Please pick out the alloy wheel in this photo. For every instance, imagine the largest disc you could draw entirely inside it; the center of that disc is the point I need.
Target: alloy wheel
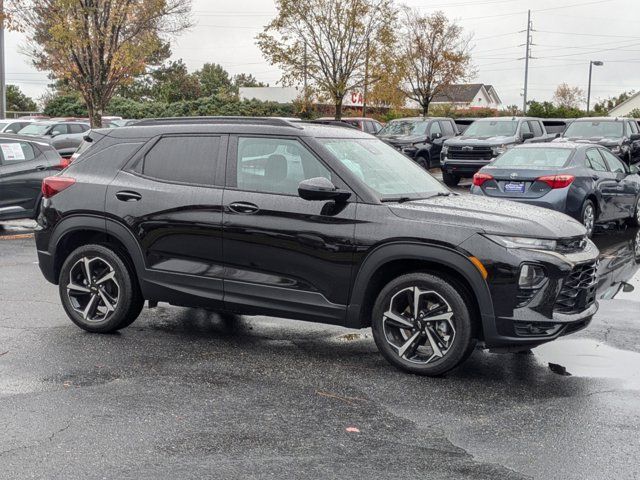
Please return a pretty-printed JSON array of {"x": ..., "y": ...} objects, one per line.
[
  {"x": 418, "y": 325},
  {"x": 92, "y": 290},
  {"x": 589, "y": 218}
]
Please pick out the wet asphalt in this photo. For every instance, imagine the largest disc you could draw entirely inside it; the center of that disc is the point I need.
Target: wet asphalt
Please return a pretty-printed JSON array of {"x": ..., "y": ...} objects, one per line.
[{"x": 184, "y": 393}]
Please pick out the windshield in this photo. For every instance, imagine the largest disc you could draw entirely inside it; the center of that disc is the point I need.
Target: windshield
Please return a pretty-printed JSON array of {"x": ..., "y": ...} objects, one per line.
[
  {"x": 533, "y": 158},
  {"x": 34, "y": 129},
  {"x": 491, "y": 128},
  {"x": 383, "y": 169},
  {"x": 3, "y": 124},
  {"x": 404, "y": 127},
  {"x": 594, "y": 129}
]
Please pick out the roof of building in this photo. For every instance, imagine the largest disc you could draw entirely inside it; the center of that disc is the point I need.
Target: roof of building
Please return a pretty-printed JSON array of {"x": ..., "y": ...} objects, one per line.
[{"x": 463, "y": 93}]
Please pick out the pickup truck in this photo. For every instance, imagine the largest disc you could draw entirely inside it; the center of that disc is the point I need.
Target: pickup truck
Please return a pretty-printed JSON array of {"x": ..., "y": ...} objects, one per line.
[{"x": 484, "y": 140}]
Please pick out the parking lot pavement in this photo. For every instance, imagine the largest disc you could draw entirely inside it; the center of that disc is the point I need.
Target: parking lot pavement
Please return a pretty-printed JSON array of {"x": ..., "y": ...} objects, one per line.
[{"x": 187, "y": 394}]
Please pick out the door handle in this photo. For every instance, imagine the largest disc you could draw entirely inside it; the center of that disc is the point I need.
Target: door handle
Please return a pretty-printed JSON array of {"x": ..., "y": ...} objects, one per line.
[
  {"x": 243, "y": 207},
  {"x": 40, "y": 168},
  {"x": 128, "y": 196}
]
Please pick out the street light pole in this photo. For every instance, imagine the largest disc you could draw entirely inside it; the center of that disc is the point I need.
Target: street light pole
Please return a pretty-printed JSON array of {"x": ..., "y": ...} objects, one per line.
[
  {"x": 3, "y": 87},
  {"x": 597, "y": 63}
]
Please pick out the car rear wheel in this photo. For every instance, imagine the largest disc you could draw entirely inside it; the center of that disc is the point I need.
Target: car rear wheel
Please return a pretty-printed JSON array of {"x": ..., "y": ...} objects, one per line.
[
  {"x": 423, "y": 162},
  {"x": 98, "y": 290},
  {"x": 589, "y": 216},
  {"x": 450, "y": 179},
  {"x": 422, "y": 324}
]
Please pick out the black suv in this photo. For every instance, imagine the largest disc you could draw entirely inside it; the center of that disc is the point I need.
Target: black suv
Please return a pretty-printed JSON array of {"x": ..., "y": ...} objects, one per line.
[
  {"x": 485, "y": 139},
  {"x": 620, "y": 135},
  {"x": 310, "y": 222},
  {"x": 420, "y": 138}
]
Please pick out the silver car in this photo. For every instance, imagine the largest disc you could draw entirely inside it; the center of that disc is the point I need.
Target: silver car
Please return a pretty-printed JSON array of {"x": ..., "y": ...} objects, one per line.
[{"x": 65, "y": 137}]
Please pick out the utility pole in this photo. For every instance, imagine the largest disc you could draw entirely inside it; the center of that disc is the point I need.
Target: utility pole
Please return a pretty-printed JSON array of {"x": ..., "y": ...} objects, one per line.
[
  {"x": 3, "y": 87},
  {"x": 366, "y": 81},
  {"x": 304, "y": 74},
  {"x": 526, "y": 63}
]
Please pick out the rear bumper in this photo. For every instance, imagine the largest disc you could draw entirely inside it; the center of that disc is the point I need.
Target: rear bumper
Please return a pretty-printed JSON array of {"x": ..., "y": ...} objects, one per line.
[
  {"x": 554, "y": 200},
  {"x": 46, "y": 264}
]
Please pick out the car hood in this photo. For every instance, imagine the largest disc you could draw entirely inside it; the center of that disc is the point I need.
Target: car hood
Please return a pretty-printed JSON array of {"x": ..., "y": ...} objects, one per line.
[
  {"x": 490, "y": 215},
  {"x": 481, "y": 141},
  {"x": 605, "y": 142}
]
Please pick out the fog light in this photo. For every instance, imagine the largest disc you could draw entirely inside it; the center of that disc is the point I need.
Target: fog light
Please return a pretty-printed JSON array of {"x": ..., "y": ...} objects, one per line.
[{"x": 531, "y": 276}]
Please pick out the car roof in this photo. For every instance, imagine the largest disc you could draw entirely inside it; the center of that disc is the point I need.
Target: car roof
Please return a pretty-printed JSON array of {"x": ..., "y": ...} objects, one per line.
[
  {"x": 284, "y": 128},
  {"x": 419, "y": 119},
  {"x": 558, "y": 144},
  {"x": 508, "y": 118},
  {"x": 603, "y": 119},
  {"x": 24, "y": 138}
]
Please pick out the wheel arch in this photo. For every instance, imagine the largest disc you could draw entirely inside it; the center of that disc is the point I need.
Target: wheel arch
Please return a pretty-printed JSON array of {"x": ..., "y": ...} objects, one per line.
[{"x": 388, "y": 261}]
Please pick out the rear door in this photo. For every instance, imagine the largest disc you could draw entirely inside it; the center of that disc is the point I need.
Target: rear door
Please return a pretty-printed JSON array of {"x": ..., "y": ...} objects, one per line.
[
  {"x": 634, "y": 147},
  {"x": 170, "y": 199},
  {"x": 284, "y": 255},
  {"x": 23, "y": 165}
]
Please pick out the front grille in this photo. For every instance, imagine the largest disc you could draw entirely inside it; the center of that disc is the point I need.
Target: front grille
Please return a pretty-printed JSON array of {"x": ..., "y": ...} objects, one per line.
[
  {"x": 467, "y": 153},
  {"x": 571, "y": 245},
  {"x": 578, "y": 290}
]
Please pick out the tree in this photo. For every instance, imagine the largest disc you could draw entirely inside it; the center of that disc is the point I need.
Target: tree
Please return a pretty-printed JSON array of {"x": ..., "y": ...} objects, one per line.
[
  {"x": 434, "y": 54},
  {"x": 173, "y": 82},
  {"x": 326, "y": 42},
  {"x": 246, "y": 80},
  {"x": 568, "y": 97},
  {"x": 18, "y": 101},
  {"x": 97, "y": 45},
  {"x": 214, "y": 80}
]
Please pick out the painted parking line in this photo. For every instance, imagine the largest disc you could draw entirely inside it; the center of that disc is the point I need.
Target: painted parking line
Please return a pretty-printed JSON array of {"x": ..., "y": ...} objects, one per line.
[{"x": 16, "y": 237}]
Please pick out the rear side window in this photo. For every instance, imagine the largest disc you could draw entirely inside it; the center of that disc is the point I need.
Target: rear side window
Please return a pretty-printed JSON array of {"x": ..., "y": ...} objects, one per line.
[
  {"x": 190, "y": 159},
  {"x": 447, "y": 129},
  {"x": 76, "y": 128},
  {"x": 595, "y": 161},
  {"x": 12, "y": 152}
]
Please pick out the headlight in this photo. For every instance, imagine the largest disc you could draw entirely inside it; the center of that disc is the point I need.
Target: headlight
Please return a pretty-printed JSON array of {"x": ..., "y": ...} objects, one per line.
[
  {"x": 445, "y": 149},
  {"x": 499, "y": 150},
  {"x": 523, "y": 242}
]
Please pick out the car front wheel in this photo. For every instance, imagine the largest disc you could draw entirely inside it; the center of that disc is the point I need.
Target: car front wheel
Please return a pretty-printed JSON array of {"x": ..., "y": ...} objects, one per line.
[
  {"x": 98, "y": 290},
  {"x": 588, "y": 217},
  {"x": 422, "y": 325},
  {"x": 450, "y": 179}
]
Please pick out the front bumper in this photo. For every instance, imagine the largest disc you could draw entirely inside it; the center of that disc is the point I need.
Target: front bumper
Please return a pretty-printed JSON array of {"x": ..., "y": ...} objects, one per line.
[
  {"x": 564, "y": 304},
  {"x": 462, "y": 168}
]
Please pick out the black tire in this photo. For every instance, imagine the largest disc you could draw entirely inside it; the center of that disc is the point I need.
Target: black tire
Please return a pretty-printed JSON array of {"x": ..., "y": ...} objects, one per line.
[
  {"x": 590, "y": 225},
  {"x": 433, "y": 290},
  {"x": 634, "y": 221},
  {"x": 423, "y": 162},
  {"x": 121, "y": 289},
  {"x": 450, "y": 179}
]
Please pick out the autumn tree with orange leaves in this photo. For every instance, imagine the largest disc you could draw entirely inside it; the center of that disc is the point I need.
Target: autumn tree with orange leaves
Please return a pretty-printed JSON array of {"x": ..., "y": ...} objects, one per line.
[{"x": 96, "y": 45}]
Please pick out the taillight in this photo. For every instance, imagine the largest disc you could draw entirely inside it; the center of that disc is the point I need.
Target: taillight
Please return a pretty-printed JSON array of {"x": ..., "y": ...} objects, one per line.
[
  {"x": 557, "y": 181},
  {"x": 54, "y": 185},
  {"x": 480, "y": 178},
  {"x": 64, "y": 163}
]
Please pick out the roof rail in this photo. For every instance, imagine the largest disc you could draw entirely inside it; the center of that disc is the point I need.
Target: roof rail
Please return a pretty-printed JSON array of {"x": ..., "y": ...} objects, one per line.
[
  {"x": 273, "y": 121},
  {"x": 335, "y": 123}
]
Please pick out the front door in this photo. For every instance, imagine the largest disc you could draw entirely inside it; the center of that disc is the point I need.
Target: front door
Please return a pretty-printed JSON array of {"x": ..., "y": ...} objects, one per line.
[
  {"x": 284, "y": 255},
  {"x": 172, "y": 206},
  {"x": 626, "y": 191}
]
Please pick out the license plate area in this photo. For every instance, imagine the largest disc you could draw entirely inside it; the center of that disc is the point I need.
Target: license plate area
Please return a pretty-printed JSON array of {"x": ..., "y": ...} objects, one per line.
[{"x": 514, "y": 187}]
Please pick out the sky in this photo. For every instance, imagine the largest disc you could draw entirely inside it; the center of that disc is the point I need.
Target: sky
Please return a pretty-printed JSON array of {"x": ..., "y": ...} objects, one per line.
[{"x": 567, "y": 35}]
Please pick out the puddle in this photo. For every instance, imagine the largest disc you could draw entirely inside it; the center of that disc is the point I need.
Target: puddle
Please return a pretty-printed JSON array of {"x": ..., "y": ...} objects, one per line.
[
  {"x": 583, "y": 357},
  {"x": 352, "y": 337}
]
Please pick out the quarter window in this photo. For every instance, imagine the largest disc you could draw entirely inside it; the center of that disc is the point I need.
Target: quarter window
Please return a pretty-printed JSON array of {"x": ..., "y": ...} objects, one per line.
[
  {"x": 275, "y": 165},
  {"x": 183, "y": 159},
  {"x": 12, "y": 152},
  {"x": 595, "y": 161}
]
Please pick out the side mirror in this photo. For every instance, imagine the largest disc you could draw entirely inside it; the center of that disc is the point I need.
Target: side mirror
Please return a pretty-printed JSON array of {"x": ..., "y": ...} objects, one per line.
[
  {"x": 634, "y": 137},
  {"x": 627, "y": 287},
  {"x": 321, "y": 188},
  {"x": 527, "y": 136},
  {"x": 633, "y": 169},
  {"x": 436, "y": 136},
  {"x": 558, "y": 135}
]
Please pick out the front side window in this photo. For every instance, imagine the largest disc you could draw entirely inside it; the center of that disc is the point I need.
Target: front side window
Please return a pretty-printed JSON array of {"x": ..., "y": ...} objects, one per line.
[
  {"x": 595, "y": 161},
  {"x": 189, "y": 159},
  {"x": 633, "y": 127},
  {"x": 435, "y": 128},
  {"x": 447, "y": 129},
  {"x": 383, "y": 169},
  {"x": 595, "y": 129},
  {"x": 61, "y": 129},
  {"x": 13, "y": 152},
  {"x": 275, "y": 165},
  {"x": 492, "y": 128},
  {"x": 615, "y": 164},
  {"x": 534, "y": 158},
  {"x": 524, "y": 128}
]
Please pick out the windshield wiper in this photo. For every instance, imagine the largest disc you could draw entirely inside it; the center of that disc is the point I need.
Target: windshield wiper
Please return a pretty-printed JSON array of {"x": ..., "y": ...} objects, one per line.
[
  {"x": 439, "y": 194},
  {"x": 397, "y": 199}
]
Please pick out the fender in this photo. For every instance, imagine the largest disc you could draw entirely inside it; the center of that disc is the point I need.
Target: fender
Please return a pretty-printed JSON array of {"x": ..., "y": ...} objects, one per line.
[{"x": 444, "y": 256}]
